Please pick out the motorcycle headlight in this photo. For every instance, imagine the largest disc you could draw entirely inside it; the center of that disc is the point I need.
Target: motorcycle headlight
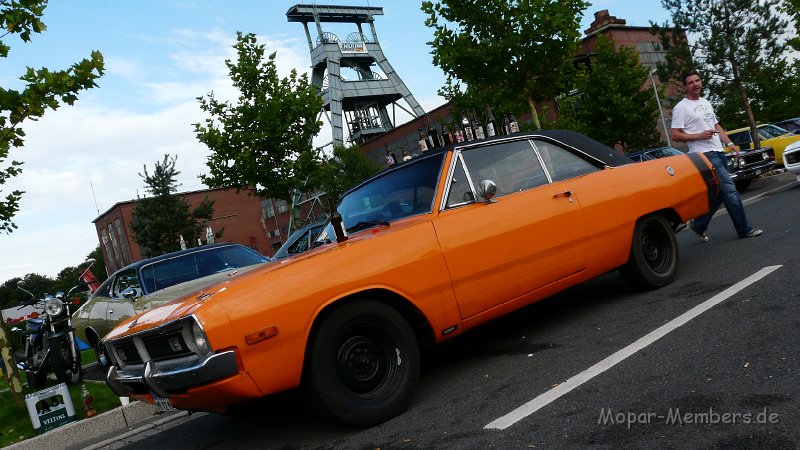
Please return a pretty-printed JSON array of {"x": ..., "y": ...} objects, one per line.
[
  {"x": 53, "y": 307},
  {"x": 200, "y": 339}
]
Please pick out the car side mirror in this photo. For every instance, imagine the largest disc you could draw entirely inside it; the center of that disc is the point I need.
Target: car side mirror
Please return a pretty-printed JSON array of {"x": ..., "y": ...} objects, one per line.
[
  {"x": 487, "y": 189},
  {"x": 131, "y": 293}
]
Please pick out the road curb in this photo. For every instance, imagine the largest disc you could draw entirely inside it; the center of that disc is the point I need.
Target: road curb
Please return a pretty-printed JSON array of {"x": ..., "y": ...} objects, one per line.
[{"x": 108, "y": 427}]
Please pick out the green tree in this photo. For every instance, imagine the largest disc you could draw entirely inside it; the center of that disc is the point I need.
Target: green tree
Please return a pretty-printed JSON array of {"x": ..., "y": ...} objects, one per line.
[
  {"x": 264, "y": 140},
  {"x": 735, "y": 40},
  {"x": 503, "y": 49},
  {"x": 44, "y": 89},
  {"x": 792, "y": 8},
  {"x": 612, "y": 107},
  {"x": 160, "y": 220},
  {"x": 346, "y": 168}
]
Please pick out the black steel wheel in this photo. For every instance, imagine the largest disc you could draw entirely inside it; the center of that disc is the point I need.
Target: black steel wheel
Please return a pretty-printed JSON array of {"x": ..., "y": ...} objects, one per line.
[
  {"x": 742, "y": 185},
  {"x": 66, "y": 368},
  {"x": 653, "y": 260},
  {"x": 363, "y": 363}
]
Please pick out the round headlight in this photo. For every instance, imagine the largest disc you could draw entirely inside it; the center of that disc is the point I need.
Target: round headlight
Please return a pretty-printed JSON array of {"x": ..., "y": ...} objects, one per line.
[
  {"x": 53, "y": 307},
  {"x": 200, "y": 339}
]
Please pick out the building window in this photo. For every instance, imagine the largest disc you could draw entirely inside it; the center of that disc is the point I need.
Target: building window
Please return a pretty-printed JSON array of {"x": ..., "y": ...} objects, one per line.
[
  {"x": 116, "y": 254},
  {"x": 276, "y": 245},
  {"x": 282, "y": 206},
  {"x": 109, "y": 253},
  {"x": 123, "y": 243},
  {"x": 266, "y": 206}
]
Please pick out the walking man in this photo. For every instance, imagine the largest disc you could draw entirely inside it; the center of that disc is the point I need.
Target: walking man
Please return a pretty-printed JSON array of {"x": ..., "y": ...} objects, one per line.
[{"x": 694, "y": 122}]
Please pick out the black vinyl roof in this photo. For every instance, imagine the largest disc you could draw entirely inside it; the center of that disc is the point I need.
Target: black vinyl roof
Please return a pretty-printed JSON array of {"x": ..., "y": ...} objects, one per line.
[{"x": 586, "y": 144}]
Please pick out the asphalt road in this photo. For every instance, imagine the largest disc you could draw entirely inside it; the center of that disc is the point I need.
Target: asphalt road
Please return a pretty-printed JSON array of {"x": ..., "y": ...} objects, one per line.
[{"x": 715, "y": 367}]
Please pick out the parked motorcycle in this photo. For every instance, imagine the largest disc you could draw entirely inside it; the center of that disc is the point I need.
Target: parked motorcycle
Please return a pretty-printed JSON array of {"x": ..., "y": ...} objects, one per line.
[{"x": 50, "y": 344}]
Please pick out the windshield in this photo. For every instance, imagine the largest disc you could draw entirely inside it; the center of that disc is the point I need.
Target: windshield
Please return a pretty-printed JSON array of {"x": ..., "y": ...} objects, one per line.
[
  {"x": 402, "y": 192},
  {"x": 771, "y": 131}
]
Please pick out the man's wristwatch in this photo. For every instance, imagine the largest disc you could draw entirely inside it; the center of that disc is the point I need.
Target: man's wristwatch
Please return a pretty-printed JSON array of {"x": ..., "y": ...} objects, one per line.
[{"x": 731, "y": 144}]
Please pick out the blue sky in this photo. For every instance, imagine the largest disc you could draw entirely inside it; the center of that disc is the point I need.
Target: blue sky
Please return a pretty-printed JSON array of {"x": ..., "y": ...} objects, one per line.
[{"x": 160, "y": 56}]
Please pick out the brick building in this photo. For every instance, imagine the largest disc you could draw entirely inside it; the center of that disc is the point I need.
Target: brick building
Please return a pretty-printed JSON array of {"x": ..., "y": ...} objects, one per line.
[
  {"x": 639, "y": 38},
  {"x": 262, "y": 225}
]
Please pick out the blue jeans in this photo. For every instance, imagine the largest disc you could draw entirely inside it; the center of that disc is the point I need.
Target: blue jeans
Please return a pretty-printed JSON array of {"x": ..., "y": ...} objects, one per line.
[{"x": 728, "y": 195}]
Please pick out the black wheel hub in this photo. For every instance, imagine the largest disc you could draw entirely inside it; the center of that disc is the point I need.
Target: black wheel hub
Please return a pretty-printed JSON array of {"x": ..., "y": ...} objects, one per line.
[
  {"x": 654, "y": 250},
  {"x": 361, "y": 363}
]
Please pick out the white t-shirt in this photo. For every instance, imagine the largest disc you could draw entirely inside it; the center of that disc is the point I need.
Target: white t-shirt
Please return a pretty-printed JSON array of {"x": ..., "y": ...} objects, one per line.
[{"x": 695, "y": 116}]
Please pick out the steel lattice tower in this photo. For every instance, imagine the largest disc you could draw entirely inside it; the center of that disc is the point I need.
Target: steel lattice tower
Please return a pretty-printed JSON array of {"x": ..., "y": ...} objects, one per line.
[{"x": 360, "y": 103}]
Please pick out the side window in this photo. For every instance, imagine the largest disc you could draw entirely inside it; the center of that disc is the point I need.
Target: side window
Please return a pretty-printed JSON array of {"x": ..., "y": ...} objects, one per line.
[
  {"x": 460, "y": 192},
  {"x": 741, "y": 139},
  {"x": 513, "y": 166},
  {"x": 562, "y": 164},
  {"x": 125, "y": 280}
]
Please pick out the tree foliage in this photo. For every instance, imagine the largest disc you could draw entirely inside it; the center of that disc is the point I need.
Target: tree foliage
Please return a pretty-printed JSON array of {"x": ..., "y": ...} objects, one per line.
[
  {"x": 264, "y": 139},
  {"x": 520, "y": 49},
  {"x": 346, "y": 168},
  {"x": 160, "y": 220},
  {"x": 736, "y": 41},
  {"x": 44, "y": 89},
  {"x": 792, "y": 8},
  {"x": 611, "y": 105},
  {"x": 39, "y": 285}
]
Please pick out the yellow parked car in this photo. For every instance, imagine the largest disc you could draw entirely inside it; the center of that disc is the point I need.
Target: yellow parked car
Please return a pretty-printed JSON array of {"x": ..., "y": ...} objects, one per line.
[{"x": 771, "y": 136}]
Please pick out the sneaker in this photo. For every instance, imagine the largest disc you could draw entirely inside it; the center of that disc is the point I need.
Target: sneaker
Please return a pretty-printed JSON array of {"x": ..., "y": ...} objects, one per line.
[
  {"x": 681, "y": 227},
  {"x": 753, "y": 233},
  {"x": 703, "y": 237}
]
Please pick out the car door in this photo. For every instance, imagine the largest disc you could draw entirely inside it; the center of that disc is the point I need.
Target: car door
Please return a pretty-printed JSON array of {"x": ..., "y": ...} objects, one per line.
[
  {"x": 119, "y": 307},
  {"x": 531, "y": 235}
]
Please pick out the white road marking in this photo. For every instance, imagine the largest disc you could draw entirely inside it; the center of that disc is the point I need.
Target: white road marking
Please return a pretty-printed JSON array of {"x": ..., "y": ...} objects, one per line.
[{"x": 541, "y": 401}]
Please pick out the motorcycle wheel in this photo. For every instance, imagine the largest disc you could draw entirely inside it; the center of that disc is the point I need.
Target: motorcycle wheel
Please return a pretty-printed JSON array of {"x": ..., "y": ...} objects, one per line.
[
  {"x": 66, "y": 369},
  {"x": 36, "y": 379}
]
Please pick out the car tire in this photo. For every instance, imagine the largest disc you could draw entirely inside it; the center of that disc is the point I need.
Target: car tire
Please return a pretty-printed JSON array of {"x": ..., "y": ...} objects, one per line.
[
  {"x": 742, "y": 185},
  {"x": 101, "y": 355},
  {"x": 363, "y": 364},
  {"x": 65, "y": 368},
  {"x": 653, "y": 260}
]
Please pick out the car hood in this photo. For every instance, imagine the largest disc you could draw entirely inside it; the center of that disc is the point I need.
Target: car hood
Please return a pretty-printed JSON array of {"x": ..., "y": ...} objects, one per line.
[{"x": 168, "y": 294}]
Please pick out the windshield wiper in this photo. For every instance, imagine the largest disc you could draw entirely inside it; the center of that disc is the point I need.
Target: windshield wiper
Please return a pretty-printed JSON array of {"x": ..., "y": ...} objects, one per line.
[{"x": 367, "y": 224}]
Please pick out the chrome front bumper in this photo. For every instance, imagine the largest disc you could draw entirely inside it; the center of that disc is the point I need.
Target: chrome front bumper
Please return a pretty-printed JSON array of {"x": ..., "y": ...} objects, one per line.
[{"x": 161, "y": 380}]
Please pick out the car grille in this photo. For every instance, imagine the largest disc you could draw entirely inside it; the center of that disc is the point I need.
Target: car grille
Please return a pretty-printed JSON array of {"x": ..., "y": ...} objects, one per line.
[
  {"x": 159, "y": 345},
  {"x": 127, "y": 353},
  {"x": 166, "y": 346},
  {"x": 752, "y": 158},
  {"x": 792, "y": 158}
]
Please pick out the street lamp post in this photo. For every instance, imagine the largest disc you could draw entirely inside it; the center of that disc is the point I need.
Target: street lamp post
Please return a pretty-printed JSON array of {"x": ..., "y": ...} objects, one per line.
[{"x": 660, "y": 110}]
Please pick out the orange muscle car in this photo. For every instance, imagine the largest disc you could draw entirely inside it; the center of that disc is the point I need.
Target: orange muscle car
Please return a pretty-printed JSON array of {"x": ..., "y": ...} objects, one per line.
[{"x": 417, "y": 254}]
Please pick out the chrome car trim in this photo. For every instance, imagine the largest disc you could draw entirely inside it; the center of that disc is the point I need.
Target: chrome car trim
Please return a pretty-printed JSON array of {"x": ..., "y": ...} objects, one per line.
[
  {"x": 161, "y": 381},
  {"x": 113, "y": 382}
]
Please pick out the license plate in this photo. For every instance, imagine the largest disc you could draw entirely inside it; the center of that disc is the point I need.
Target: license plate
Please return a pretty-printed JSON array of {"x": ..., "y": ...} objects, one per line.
[{"x": 163, "y": 404}]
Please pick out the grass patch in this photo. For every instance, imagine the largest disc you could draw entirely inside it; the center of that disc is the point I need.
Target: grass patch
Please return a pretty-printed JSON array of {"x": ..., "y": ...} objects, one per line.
[{"x": 15, "y": 423}]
